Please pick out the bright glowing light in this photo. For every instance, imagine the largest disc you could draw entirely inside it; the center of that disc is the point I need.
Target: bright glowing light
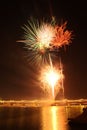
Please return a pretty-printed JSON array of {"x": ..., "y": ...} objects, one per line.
[
  {"x": 41, "y": 38},
  {"x": 45, "y": 35},
  {"x": 54, "y": 118},
  {"x": 52, "y": 78}
]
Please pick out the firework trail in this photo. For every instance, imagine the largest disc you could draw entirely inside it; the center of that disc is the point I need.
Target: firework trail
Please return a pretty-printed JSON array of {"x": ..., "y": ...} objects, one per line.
[{"x": 41, "y": 38}]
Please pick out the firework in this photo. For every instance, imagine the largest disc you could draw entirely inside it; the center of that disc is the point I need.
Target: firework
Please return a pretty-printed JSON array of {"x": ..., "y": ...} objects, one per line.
[
  {"x": 62, "y": 36},
  {"x": 41, "y": 38},
  {"x": 52, "y": 79}
]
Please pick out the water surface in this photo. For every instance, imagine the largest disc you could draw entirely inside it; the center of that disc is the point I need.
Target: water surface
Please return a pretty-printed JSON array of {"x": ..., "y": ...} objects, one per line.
[{"x": 38, "y": 118}]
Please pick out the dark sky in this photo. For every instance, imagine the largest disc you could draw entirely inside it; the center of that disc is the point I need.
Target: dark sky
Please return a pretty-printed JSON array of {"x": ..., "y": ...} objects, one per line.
[{"x": 17, "y": 77}]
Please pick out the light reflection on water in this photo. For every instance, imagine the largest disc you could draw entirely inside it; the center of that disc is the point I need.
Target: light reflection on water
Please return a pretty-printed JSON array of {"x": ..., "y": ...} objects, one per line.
[
  {"x": 54, "y": 118},
  {"x": 37, "y": 118}
]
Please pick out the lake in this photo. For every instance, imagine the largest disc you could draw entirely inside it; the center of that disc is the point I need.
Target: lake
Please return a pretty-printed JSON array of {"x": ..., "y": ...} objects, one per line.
[{"x": 38, "y": 118}]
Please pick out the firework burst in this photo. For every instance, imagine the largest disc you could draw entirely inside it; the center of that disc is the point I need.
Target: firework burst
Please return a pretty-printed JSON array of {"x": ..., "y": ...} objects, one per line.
[
  {"x": 62, "y": 36},
  {"x": 41, "y": 38},
  {"x": 51, "y": 79}
]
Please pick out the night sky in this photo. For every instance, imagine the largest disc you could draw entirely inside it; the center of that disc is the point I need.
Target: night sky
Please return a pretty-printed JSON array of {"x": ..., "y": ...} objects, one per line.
[{"x": 17, "y": 75}]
